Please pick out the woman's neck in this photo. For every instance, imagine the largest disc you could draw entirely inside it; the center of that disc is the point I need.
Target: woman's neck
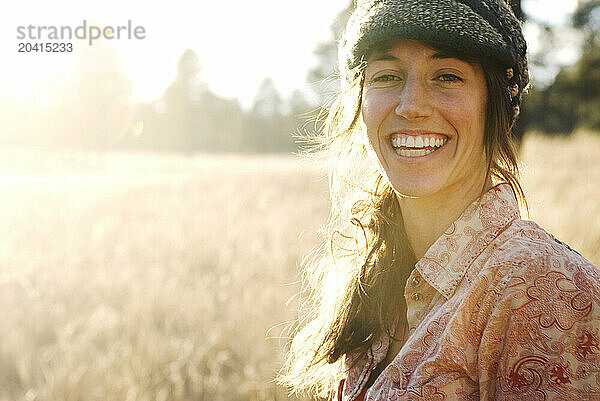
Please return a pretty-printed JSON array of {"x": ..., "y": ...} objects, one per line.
[{"x": 426, "y": 218}]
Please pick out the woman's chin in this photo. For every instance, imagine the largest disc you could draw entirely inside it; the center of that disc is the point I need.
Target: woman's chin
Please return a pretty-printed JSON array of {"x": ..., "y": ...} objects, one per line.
[{"x": 415, "y": 187}]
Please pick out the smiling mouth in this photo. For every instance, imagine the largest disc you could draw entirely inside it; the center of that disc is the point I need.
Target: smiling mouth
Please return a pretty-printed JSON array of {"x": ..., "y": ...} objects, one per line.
[{"x": 416, "y": 145}]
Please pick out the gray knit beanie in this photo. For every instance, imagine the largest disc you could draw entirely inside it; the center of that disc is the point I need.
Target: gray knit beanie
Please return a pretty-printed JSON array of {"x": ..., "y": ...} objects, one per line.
[{"x": 485, "y": 29}]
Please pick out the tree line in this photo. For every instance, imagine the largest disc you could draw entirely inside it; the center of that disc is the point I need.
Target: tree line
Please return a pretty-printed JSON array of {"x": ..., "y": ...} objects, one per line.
[
  {"x": 572, "y": 100},
  {"x": 190, "y": 118}
]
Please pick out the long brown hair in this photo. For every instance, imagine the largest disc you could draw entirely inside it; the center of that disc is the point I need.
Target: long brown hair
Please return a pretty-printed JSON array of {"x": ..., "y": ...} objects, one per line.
[{"x": 351, "y": 283}]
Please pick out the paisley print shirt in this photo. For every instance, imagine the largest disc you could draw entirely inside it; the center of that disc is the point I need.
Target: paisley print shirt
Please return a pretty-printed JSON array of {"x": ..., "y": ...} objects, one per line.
[{"x": 497, "y": 309}]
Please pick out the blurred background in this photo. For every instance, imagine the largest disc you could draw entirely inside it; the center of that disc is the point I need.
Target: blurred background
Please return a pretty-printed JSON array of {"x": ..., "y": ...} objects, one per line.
[{"x": 153, "y": 212}]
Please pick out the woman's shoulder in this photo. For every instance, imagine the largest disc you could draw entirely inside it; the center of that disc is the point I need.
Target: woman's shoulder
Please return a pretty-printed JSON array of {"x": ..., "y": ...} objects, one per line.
[
  {"x": 525, "y": 239},
  {"x": 526, "y": 255}
]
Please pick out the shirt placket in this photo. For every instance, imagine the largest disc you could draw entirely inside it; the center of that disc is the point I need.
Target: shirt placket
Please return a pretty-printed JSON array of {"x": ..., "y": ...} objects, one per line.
[{"x": 416, "y": 296}]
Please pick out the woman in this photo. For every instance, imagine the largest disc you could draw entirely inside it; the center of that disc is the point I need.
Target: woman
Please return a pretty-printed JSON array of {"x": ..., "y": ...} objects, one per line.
[{"x": 450, "y": 295}]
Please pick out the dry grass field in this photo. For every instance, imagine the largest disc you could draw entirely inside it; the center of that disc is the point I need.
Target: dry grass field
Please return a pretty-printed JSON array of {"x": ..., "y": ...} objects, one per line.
[{"x": 144, "y": 277}]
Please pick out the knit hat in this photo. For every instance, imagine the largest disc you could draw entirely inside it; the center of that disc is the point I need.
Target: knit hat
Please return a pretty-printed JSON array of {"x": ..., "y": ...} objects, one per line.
[{"x": 479, "y": 28}]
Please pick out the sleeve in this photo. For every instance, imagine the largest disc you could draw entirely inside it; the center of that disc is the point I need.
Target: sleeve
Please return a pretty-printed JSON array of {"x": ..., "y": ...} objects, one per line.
[{"x": 542, "y": 339}]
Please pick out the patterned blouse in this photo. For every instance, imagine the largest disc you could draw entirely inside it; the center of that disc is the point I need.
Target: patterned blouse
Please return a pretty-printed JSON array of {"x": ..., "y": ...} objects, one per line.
[{"x": 497, "y": 309}]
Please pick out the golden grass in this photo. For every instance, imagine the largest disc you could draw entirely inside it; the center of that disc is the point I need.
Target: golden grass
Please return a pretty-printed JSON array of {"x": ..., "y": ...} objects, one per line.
[
  {"x": 141, "y": 277},
  {"x": 561, "y": 179},
  {"x": 150, "y": 278}
]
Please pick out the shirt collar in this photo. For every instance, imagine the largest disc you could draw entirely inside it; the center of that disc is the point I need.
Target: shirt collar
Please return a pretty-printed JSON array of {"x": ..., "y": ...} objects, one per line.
[{"x": 445, "y": 263}]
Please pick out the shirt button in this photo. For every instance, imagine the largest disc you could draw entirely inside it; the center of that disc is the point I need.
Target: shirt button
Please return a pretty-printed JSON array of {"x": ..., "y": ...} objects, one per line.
[
  {"x": 416, "y": 296},
  {"x": 416, "y": 280}
]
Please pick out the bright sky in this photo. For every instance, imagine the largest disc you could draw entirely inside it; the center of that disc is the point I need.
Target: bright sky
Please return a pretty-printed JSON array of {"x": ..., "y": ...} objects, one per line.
[{"x": 239, "y": 42}]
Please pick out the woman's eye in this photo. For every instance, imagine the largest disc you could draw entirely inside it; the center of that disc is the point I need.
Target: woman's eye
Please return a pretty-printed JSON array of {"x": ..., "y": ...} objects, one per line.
[
  {"x": 385, "y": 78},
  {"x": 449, "y": 78}
]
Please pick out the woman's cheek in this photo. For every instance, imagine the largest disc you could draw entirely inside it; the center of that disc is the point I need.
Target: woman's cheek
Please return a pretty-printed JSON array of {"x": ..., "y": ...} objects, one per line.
[
  {"x": 455, "y": 105},
  {"x": 461, "y": 112},
  {"x": 375, "y": 107}
]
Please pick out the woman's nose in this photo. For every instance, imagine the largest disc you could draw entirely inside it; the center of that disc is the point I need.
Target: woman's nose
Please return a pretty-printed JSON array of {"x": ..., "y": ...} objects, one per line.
[{"x": 413, "y": 100}]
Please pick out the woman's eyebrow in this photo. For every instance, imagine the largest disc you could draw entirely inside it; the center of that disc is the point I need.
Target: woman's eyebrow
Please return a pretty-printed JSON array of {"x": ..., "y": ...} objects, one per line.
[
  {"x": 382, "y": 57},
  {"x": 445, "y": 56},
  {"x": 441, "y": 55}
]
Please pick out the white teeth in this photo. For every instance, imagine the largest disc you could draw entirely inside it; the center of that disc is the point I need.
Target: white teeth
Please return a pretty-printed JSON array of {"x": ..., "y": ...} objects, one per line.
[
  {"x": 414, "y": 152},
  {"x": 418, "y": 144}
]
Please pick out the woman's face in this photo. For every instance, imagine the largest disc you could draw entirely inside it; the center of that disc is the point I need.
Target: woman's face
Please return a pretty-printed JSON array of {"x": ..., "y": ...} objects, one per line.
[{"x": 424, "y": 114}]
